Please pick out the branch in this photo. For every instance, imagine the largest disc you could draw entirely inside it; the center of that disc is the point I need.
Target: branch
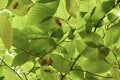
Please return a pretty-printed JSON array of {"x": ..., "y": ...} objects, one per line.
[
  {"x": 104, "y": 16},
  {"x": 11, "y": 69}
]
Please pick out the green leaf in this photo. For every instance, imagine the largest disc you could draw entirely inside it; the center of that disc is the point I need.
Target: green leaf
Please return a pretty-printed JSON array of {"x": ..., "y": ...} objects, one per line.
[
  {"x": 89, "y": 76},
  {"x": 107, "y": 5},
  {"x": 72, "y": 7},
  {"x": 70, "y": 47},
  {"x": 20, "y": 59},
  {"x": 9, "y": 74},
  {"x": 48, "y": 73},
  {"x": 92, "y": 39},
  {"x": 80, "y": 45},
  {"x": 71, "y": 35},
  {"x": 19, "y": 39},
  {"x": 44, "y": 1},
  {"x": 49, "y": 25},
  {"x": 112, "y": 35},
  {"x": 115, "y": 72},
  {"x": 40, "y": 46},
  {"x": 3, "y": 3},
  {"x": 77, "y": 74},
  {"x": 26, "y": 67},
  {"x": 61, "y": 49},
  {"x": 96, "y": 66},
  {"x": 111, "y": 17},
  {"x": 101, "y": 9},
  {"x": 57, "y": 33},
  {"x": 59, "y": 61},
  {"x": 41, "y": 11},
  {"x": 20, "y": 7},
  {"x": 6, "y": 30}
]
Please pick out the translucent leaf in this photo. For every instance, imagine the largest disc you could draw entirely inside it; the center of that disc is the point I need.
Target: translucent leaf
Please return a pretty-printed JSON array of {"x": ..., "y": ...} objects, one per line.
[
  {"x": 112, "y": 35},
  {"x": 71, "y": 35},
  {"x": 96, "y": 66},
  {"x": 26, "y": 67},
  {"x": 80, "y": 45},
  {"x": 111, "y": 17},
  {"x": 107, "y": 5},
  {"x": 3, "y": 3},
  {"x": 92, "y": 39},
  {"x": 20, "y": 7},
  {"x": 49, "y": 74},
  {"x": 70, "y": 47},
  {"x": 20, "y": 59},
  {"x": 6, "y": 30},
  {"x": 77, "y": 75},
  {"x": 40, "y": 46},
  {"x": 85, "y": 5},
  {"x": 59, "y": 61},
  {"x": 72, "y": 7},
  {"x": 20, "y": 40},
  {"x": 41, "y": 11},
  {"x": 115, "y": 72},
  {"x": 49, "y": 25},
  {"x": 61, "y": 49},
  {"x": 89, "y": 76},
  {"x": 91, "y": 53},
  {"x": 58, "y": 33},
  {"x": 9, "y": 74},
  {"x": 44, "y": 1}
]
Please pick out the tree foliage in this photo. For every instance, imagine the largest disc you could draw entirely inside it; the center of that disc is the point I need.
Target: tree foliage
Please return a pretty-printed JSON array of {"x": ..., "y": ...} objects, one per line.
[{"x": 59, "y": 40}]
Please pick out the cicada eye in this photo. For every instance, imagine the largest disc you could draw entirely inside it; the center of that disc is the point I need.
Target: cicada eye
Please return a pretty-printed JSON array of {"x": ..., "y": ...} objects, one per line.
[{"x": 15, "y": 5}]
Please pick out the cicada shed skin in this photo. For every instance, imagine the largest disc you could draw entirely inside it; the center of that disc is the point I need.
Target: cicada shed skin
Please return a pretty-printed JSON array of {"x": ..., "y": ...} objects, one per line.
[{"x": 15, "y": 5}]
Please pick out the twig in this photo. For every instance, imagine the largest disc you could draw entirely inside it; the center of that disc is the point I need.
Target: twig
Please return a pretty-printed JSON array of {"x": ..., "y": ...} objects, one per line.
[
  {"x": 104, "y": 17},
  {"x": 75, "y": 61},
  {"x": 111, "y": 22},
  {"x": 94, "y": 73},
  {"x": 116, "y": 58},
  {"x": 11, "y": 69},
  {"x": 26, "y": 51},
  {"x": 53, "y": 48},
  {"x": 71, "y": 68},
  {"x": 25, "y": 76}
]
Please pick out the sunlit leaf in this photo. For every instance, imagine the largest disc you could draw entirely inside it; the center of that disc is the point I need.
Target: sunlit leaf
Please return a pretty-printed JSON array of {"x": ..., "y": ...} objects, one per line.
[
  {"x": 96, "y": 66},
  {"x": 9, "y": 74},
  {"x": 92, "y": 39},
  {"x": 41, "y": 11},
  {"x": 26, "y": 67},
  {"x": 6, "y": 30},
  {"x": 59, "y": 61},
  {"x": 72, "y": 7},
  {"x": 20, "y": 59},
  {"x": 112, "y": 35},
  {"x": 19, "y": 7},
  {"x": 44, "y": 1},
  {"x": 49, "y": 74},
  {"x": 3, "y": 3}
]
